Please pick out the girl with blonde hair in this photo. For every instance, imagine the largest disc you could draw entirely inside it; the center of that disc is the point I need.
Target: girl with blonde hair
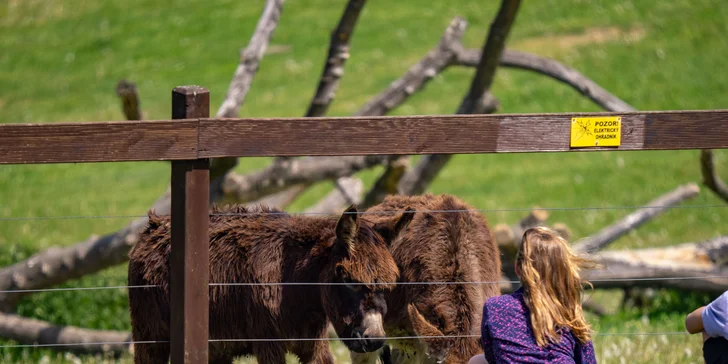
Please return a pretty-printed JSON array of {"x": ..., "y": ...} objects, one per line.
[{"x": 542, "y": 321}]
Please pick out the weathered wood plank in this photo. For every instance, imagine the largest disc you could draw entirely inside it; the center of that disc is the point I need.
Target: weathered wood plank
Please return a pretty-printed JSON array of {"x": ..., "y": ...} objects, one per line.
[
  {"x": 347, "y": 136},
  {"x": 550, "y": 133},
  {"x": 189, "y": 258},
  {"x": 451, "y": 134},
  {"x": 686, "y": 130},
  {"x": 98, "y": 141},
  {"x": 441, "y": 134}
]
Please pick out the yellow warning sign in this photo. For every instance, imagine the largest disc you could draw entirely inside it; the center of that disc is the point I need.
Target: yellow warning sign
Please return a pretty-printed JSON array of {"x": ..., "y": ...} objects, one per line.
[{"x": 602, "y": 131}]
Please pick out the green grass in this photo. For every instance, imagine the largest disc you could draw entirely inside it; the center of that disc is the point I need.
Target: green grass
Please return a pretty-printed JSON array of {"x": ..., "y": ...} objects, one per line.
[{"x": 61, "y": 61}]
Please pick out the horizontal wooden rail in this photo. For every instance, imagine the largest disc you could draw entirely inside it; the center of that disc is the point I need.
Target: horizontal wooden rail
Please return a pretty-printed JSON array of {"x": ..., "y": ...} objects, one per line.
[{"x": 445, "y": 134}]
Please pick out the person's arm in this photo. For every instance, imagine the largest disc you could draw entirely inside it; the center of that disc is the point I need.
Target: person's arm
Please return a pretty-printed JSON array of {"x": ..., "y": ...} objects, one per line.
[
  {"x": 485, "y": 339},
  {"x": 584, "y": 353},
  {"x": 694, "y": 321}
]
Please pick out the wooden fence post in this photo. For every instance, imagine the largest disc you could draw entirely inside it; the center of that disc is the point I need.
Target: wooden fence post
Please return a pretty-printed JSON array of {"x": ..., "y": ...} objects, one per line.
[{"x": 189, "y": 271}]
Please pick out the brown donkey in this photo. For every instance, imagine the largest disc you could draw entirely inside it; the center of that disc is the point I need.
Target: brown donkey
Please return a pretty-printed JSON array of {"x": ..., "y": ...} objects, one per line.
[
  {"x": 261, "y": 245},
  {"x": 436, "y": 246}
]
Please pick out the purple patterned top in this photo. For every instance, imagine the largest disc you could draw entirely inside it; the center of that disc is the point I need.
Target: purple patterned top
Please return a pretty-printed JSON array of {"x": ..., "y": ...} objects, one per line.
[{"x": 507, "y": 336}]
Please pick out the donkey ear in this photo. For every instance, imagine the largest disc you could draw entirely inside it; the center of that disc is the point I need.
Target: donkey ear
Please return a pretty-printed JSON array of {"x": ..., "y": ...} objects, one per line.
[
  {"x": 404, "y": 220},
  {"x": 390, "y": 229},
  {"x": 348, "y": 227},
  {"x": 421, "y": 326}
]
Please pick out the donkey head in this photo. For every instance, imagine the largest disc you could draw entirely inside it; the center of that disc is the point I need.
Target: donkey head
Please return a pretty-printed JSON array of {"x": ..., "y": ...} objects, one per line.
[{"x": 362, "y": 270}]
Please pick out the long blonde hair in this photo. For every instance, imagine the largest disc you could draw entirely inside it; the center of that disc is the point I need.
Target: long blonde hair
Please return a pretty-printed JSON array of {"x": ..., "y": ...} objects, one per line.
[{"x": 552, "y": 285}]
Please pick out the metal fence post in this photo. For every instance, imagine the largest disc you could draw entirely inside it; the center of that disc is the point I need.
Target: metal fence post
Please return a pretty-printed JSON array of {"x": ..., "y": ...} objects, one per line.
[{"x": 189, "y": 271}]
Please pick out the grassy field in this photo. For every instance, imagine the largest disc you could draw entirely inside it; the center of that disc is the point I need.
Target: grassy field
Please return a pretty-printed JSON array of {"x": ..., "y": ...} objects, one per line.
[{"x": 60, "y": 61}]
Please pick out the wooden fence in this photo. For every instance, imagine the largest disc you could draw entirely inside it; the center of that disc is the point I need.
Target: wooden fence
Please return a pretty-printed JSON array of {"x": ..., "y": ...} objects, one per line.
[{"x": 191, "y": 138}]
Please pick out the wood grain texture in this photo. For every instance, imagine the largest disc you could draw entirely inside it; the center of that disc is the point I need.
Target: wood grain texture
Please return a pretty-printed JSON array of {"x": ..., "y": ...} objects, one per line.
[
  {"x": 347, "y": 136},
  {"x": 550, "y": 133},
  {"x": 686, "y": 130},
  {"x": 98, "y": 142},
  {"x": 189, "y": 262},
  {"x": 445, "y": 134}
]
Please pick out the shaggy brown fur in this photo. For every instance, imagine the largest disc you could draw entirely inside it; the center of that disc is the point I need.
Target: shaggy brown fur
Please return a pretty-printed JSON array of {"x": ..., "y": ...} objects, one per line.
[
  {"x": 437, "y": 247},
  {"x": 247, "y": 246}
]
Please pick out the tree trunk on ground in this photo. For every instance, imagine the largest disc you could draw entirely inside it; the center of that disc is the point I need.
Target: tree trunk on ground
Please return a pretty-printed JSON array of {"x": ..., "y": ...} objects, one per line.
[
  {"x": 630, "y": 222},
  {"x": 28, "y": 331}
]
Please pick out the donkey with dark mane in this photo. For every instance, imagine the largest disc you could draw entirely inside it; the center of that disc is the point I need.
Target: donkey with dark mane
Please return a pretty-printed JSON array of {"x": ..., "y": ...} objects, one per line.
[
  {"x": 450, "y": 246},
  {"x": 347, "y": 261}
]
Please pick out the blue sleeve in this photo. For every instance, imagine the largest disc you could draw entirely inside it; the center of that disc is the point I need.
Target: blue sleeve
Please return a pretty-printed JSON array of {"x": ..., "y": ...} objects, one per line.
[
  {"x": 485, "y": 339},
  {"x": 715, "y": 317},
  {"x": 584, "y": 353}
]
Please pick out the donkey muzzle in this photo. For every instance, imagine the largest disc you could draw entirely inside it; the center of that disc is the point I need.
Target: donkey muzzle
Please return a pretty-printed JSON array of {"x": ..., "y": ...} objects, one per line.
[{"x": 369, "y": 336}]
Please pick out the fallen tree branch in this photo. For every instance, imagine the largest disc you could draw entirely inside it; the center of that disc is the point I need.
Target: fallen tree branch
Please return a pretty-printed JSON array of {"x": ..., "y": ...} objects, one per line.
[
  {"x": 305, "y": 171},
  {"x": 282, "y": 199},
  {"x": 710, "y": 177},
  {"x": 32, "y": 331},
  {"x": 127, "y": 92},
  {"x": 476, "y": 101},
  {"x": 347, "y": 191},
  {"x": 418, "y": 75},
  {"x": 653, "y": 209},
  {"x": 553, "y": 69},
  {"x": 685, "y": 266},
  {"x": 387, "y": 182}
]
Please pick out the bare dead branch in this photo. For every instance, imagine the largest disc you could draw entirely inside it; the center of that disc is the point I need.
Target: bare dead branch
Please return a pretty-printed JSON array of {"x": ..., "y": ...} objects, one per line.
[
  {"x": 347, "y": 191},
  {"x": 710, "y": 177},
  {"x": 554, "y": 69},
  {"x": 335, "y": 60},
  {"x": 418, "y": 75},
  {"x": 305, "y": 171},
  {"x": 490, "y": 58},
  {"x": 32, "y": 331},
  {"x": 127, "y": 92},
  {"x": 415, "y": 79},
  {"x": 332, "y": 72},
  {"x": 630, "y": 222},
  {"x": 242, "y": 80},
  {"x": 387, "y": 182},
  {"x": 476, "y": 101},
  {"x": 250, "y": 59}
]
